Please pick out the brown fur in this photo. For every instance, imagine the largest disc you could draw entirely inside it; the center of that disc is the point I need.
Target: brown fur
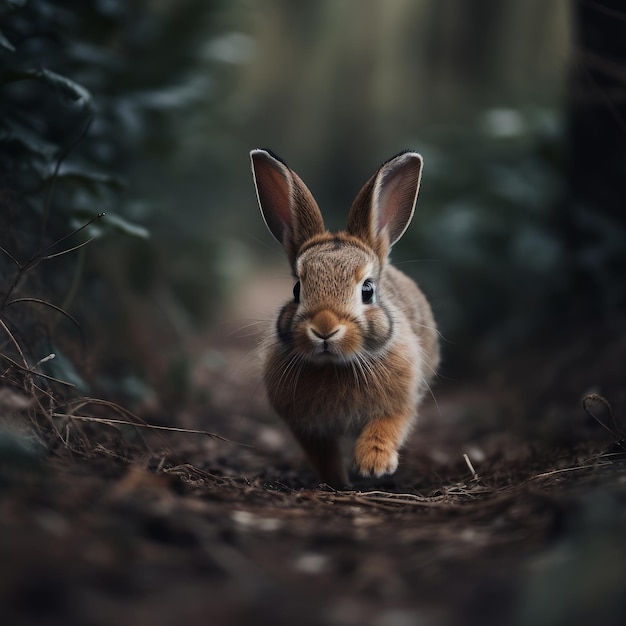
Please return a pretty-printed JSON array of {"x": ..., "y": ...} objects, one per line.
[{"x": 334, "y": 363}]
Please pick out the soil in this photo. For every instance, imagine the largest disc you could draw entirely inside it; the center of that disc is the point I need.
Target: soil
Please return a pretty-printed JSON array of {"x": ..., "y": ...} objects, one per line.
[{"x": 485, "y": 522}]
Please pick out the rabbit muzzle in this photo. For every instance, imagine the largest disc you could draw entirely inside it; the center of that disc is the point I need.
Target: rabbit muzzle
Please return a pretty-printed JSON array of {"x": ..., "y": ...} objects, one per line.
[{"x": 327, "y": 337}]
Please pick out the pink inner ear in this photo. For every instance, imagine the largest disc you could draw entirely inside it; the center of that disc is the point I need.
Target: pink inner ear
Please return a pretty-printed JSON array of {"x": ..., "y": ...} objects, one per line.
[
  {"x": 274, "y": 193},
  {"x": 395, "y": 198}
]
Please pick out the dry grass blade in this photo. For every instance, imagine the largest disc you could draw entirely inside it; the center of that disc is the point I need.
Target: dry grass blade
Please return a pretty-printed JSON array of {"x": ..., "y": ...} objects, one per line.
[
  {"x": 561, "y": 470},
  {"x": 29, "y": 370},
  {"x": 195, "y": 476},
  {"x": 14, "y": 341},
  {"x": 62, "y": 156},
  {"x": 56, "y": 308},
  {"x": 68, "y": 250},
  {"x": 42, "y": 256},
  {"x": 590, "y": 402},
  {"x": 2, "y": 249},
  {"x": 131, "y": 419},
  {"x": 119, "y": 422}
]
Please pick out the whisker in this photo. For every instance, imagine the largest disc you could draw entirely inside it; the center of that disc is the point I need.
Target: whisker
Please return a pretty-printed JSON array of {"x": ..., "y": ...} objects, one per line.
[
  {"x": 355, "y": 375},
  {"x": 238, "y": 334},
  {"x": 433, "y": 329},
  {"x": 297, "y": 373},
  {"x": 246, "y": 326},
  {"x": 396, "y": 263},
  {"x": 431, "y": 368},
  {"x": 430, "y": 390},
  {"x": 275, "y": 251},
  {"x": 289, "y": 369}
]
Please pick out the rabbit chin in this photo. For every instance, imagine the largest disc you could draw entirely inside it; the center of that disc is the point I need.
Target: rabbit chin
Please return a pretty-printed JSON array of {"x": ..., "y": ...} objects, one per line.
[
  {"x": 332, "y": 354},
  {"x": 326, "y": 356}
]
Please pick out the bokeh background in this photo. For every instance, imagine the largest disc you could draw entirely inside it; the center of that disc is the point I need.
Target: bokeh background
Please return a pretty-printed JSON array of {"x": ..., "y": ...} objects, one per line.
[{"x": 146, "y": 110}]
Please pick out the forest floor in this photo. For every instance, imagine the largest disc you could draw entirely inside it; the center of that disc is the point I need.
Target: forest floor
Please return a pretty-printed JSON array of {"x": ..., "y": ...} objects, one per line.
[{"x": 484, "y": 522}]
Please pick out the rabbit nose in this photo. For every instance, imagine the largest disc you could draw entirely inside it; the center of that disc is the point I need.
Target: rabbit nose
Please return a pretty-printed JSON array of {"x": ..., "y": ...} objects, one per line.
[
  {"x": 325, "y": 325},
  {"x": 326, "y": 335}
]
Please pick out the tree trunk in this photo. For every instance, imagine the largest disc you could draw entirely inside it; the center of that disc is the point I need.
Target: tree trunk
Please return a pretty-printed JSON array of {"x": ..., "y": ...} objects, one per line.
[{"x": 594, "y": 212}]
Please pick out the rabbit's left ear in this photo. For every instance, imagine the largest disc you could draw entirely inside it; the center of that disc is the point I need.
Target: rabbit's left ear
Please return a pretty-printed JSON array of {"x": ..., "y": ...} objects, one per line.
[
  {"x": 288, "y": 208},
  {"x": 383, "y": 209}
]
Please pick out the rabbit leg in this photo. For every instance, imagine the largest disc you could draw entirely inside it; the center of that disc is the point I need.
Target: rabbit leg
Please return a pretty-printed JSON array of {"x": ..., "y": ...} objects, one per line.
[
  {"x": 324, "y": 453},
  {"x": 376, "y": 449}
]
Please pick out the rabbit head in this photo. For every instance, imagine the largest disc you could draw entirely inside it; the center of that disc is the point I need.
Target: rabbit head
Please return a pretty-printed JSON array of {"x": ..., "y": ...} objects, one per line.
[{"x": 336, "y": 313}]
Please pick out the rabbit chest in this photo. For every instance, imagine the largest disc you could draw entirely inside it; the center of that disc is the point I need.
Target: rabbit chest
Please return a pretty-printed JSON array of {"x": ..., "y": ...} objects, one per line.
[{"x": 339, "y": 398}]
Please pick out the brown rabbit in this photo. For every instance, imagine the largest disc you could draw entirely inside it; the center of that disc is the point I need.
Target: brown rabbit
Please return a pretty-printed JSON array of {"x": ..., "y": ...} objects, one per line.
[{"x": 355, "y": 348}]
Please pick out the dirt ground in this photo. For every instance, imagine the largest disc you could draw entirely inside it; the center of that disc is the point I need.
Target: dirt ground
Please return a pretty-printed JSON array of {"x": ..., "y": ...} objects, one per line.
[{"x": 485, "y": 522}]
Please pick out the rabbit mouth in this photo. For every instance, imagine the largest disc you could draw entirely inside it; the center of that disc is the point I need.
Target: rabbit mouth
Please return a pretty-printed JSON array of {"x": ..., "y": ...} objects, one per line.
[
  {"x": 326, "y": 352},
  {"x": 329, "y": 352},
  {"x": 326, "y": 356}
]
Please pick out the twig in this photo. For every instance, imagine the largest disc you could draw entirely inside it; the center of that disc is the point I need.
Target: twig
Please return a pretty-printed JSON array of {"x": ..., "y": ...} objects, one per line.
[
  {"x": 62, "y": 156},
  {"x": 15, "y": 343},
  {"x": 58, "y": 309},
  {"x": 401, "y": 496},
  {"x": 382, "y": 499},
  {"x": 42, "y": 256},
  {"x": 471, "y": 467}
]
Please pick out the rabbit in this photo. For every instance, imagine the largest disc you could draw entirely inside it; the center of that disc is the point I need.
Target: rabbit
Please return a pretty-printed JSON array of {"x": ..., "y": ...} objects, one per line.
[{"x": 355, "y": 348}]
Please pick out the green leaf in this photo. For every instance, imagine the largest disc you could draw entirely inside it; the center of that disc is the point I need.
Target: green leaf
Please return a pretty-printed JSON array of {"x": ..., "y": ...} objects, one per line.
[
  {"x": 5, "y": 43},
  {"x": 123, "y": 225},
  {"x": 28, "y": 140},
  {"x": 78, "y": 173},
  {"x": 73, "y": 92}
]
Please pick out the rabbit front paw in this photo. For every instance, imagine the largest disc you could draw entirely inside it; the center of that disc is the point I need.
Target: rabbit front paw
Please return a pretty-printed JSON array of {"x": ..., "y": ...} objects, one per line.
[{"x": 374, "y": 459}]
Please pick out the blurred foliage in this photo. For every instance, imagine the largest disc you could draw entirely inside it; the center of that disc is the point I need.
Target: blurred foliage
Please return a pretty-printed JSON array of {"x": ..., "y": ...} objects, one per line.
[
  {"x": 489, "y": 252},
  {"x": 94, "y": 95}
]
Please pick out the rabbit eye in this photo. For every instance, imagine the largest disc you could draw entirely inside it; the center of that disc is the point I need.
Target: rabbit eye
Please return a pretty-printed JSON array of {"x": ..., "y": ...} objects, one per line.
[
  {"x": 296, "y": 293},
  {"x": 368, "y": 293}
]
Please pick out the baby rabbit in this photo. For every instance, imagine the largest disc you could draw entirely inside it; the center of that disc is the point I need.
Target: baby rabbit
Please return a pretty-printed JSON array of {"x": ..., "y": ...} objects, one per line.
[{"x": 355, "y": 348}]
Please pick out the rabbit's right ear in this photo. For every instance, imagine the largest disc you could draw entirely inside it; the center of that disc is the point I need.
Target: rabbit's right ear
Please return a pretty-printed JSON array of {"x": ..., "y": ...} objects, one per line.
[
  {"x": 288, "y": 208},
  {"x": 383, "y": 208}
]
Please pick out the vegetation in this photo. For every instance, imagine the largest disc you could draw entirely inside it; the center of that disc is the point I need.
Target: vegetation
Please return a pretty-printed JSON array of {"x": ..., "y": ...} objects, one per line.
[{"x": 92, "y": 98}]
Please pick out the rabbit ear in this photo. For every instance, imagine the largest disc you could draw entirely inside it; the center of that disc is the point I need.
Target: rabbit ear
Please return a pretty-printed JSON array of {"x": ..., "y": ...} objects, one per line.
[
  {"x": 383, "y": 209},
  {"x": 288, "y": 208}
]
